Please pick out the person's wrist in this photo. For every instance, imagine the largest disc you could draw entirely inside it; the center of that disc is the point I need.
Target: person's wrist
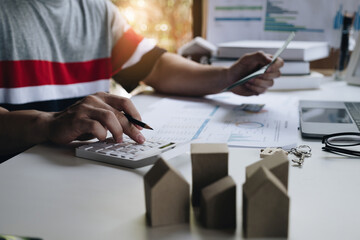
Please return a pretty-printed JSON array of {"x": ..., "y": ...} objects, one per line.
[
  {"x": 228, "y": 77},
  {"x": 42, "y": 126},
  {"x": 224, "y": 79}
]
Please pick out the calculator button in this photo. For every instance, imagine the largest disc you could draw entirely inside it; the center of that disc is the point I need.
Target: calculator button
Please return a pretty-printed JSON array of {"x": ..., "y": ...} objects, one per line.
[
  {"x": 124, "y": 153},
  {"x": 115, "y": 154},
  {"x": 96, "y": 149},
  {"x": 105, "y": 151},
  {"x": 113, "y": 148}
]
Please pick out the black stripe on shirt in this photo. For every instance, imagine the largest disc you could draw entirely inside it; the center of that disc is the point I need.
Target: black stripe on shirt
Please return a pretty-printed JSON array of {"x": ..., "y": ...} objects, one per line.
[
  {"x": 46, "y": 106},
  {"x": 130, "y": 77}
]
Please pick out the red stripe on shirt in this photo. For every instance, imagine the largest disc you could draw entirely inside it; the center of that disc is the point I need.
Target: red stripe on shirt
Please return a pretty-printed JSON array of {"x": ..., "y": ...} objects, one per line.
[
  {"x": 124, "y": 49},
  {"x": 27, "y": 73}
]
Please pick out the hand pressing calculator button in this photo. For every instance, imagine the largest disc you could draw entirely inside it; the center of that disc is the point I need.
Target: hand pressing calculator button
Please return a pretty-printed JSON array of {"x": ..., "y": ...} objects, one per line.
[{"x": 126, "y": 154}]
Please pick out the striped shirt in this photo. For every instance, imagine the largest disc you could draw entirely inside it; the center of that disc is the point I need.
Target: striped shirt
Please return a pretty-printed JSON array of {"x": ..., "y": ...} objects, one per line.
[{"x": 55, "y": 52}]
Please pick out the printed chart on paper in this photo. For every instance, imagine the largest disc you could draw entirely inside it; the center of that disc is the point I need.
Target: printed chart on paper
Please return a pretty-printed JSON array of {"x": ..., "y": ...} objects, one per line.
[{"x": 219, "y": 118}]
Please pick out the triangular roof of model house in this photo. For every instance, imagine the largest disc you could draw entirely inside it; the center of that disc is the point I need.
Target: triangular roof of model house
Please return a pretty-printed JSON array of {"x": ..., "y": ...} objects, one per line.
[
  {"x": 270, "y": 162},
  {"x": 218, "y": 187},
  {"x": 258, "y": 180},
  {"x": 159, "y": 171}
]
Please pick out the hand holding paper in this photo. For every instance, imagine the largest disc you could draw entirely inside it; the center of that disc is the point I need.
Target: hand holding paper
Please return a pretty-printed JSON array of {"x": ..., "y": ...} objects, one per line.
[{"x": 263, "y": 69}]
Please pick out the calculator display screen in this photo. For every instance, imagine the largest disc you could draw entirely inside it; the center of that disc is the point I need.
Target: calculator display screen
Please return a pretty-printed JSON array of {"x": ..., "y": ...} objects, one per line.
[
  {"x": 326, "y": 115},
  {"x": 164, "y": 146}
]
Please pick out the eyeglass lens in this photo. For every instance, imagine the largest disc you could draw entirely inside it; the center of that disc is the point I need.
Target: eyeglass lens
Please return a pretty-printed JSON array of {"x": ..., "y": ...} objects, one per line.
[{"x": 344, "y": 140}]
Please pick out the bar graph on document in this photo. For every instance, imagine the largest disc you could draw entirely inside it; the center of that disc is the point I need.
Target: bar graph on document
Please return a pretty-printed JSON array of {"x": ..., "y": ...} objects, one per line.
[
  {"x": 218, "y": 119},
  {"x": 284, "y": 16},
  {"x": 313, "y": 20},
  {"x": 232, "y": 17}
]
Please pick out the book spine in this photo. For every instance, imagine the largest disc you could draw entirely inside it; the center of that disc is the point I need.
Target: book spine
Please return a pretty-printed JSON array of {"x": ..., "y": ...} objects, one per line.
[
  {"x": 289, "y": 68},
  {"x": 288, "y": 54}
]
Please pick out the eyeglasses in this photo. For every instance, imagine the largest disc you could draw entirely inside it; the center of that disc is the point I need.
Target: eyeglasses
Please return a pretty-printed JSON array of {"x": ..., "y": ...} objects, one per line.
[{"x": 342, "y": 143}]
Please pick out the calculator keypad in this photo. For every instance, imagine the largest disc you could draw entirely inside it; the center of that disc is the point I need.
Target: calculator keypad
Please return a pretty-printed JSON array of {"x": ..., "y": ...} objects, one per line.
[{"x": 128, "y": 149}]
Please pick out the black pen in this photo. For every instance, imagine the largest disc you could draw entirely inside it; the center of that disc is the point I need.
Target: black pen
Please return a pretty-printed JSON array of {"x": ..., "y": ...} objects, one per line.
[
  {"x": 137, "y": 122},
  {"x": 344, "y": 45}
]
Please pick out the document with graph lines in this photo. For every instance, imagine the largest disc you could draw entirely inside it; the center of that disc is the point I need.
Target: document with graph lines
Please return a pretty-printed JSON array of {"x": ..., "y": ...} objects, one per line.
[{"x": 222, "y": 118}]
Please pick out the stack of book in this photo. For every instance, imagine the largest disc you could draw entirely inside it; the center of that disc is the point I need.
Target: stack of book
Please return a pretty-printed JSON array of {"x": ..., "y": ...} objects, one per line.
[{"x": 297, "y": 57}]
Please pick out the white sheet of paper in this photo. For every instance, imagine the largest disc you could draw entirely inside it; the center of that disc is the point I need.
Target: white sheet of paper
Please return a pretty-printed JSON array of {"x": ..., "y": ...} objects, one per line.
[{"x": 219, "y": 119}]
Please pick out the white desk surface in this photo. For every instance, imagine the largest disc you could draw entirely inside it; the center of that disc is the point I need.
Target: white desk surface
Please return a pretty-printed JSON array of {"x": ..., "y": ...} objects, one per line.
[{"x": 47, "y": 192}]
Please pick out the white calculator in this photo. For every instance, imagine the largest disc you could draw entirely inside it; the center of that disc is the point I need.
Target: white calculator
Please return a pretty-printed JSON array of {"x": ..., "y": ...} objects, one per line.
[{"x": 126, "y": 154}]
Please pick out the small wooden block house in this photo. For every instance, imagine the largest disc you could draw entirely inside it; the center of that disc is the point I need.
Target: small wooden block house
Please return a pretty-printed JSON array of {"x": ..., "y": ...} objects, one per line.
[
  {"x": 167, "y": 195},
  {"x": 265, "y": 206},
  {"x": 218, "y": 204},
  {"x": 209, "y": 164}
]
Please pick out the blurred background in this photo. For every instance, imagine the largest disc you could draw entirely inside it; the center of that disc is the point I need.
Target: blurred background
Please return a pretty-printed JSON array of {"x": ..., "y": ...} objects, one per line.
[
  {"x": 172, "y": 23},
  {"x": 168, "y": 22}
]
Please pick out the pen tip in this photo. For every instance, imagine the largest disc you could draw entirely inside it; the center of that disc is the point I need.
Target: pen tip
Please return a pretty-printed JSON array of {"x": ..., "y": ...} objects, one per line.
[{"x": 148, "y": 127}]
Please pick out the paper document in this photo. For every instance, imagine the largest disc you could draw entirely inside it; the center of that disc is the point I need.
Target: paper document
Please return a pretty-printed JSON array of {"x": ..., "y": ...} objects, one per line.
[
  {"x": 220, "y": 118},
  {"x": 320, "y": 20},
  {"x": 263, "y": 69}
]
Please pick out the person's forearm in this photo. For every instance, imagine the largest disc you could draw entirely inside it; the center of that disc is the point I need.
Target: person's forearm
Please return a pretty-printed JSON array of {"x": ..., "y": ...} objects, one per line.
[
  {"x": 20, "y": 130},
  {"x": 174, "y": 74}
]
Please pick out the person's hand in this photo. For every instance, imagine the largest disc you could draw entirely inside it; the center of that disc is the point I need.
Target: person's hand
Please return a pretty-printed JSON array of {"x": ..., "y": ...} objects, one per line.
[
  {"x": 250, "y": 63},
  {"x": 92, "y": 117}
]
